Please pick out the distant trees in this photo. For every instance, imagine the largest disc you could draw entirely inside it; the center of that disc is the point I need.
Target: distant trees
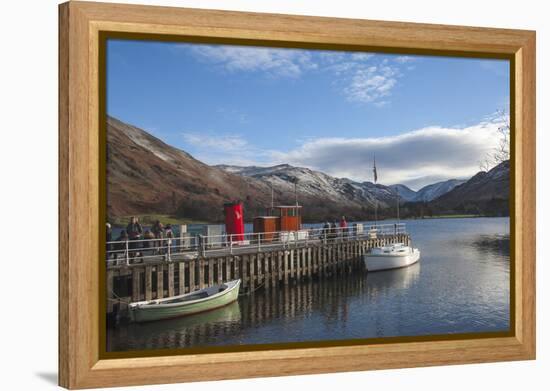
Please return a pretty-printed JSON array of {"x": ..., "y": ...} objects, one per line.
[{"x": 501, "y": 152}]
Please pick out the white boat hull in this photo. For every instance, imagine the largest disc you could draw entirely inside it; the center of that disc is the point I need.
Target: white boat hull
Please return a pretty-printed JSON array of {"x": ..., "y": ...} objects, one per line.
[{"x": 376, "y": 262}]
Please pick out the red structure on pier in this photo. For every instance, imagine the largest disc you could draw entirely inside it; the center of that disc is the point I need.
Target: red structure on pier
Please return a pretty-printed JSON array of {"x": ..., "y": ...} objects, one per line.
[{"x": 234, "y": 221}]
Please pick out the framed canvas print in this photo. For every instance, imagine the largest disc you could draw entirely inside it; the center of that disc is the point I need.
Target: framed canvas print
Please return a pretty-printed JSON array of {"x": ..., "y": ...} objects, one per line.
[{"x": 299, "y": 194}]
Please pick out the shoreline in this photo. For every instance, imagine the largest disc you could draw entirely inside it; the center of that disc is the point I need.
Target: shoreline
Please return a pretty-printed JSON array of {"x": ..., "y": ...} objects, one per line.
[{"x": 149, "y": 219}]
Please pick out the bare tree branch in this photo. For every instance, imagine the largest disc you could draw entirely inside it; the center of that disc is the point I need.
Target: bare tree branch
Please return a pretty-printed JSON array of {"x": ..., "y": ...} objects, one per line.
[{"x": 501, "y": 152}]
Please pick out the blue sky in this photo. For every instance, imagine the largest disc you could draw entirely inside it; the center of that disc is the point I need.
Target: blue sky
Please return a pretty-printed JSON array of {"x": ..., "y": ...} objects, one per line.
[{"x": 425, "y": 118}]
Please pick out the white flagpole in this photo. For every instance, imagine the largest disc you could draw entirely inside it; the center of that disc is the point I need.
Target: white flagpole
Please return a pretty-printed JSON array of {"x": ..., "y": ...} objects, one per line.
[{"x": 375, "y": 199}]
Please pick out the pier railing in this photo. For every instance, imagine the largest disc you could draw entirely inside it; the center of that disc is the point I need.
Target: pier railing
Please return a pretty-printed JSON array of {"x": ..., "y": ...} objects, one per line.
[{"x": 190, "y": 247}]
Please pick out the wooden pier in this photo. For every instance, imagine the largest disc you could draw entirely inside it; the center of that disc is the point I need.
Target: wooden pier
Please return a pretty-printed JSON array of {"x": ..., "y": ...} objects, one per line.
[{"x": 262, "y": 268}]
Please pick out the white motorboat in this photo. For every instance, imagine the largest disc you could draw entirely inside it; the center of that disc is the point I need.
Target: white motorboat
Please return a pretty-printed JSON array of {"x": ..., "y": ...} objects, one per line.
[{"x": 391, "y": 257}]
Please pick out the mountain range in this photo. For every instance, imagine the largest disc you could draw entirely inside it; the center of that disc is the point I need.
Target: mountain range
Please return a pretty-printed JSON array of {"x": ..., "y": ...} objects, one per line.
[
  {"x": 147, "y": 176},
  {"x": 316, "y": 184},
  {"x": 427, "y": 193}
]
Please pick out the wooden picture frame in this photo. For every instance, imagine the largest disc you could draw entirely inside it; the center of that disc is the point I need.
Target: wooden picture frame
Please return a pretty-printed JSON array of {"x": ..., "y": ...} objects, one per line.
[{"x": 81, "y": 161}]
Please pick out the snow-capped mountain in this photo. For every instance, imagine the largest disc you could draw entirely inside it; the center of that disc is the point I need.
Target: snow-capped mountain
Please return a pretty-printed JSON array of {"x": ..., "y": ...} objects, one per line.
[
  {"x": 316, "y": 184},
  {"x": 435, "y": 190},
  {"x": 405, "y": 194},
  {"x": 427, "y": 193}
]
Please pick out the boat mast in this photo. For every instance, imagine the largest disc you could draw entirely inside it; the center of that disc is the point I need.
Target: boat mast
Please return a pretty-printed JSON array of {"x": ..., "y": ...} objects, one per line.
[
  {"x": 375, "y": 199},
  {"x": 397, "y": 207},
  {"x": 296, "y": 190}
]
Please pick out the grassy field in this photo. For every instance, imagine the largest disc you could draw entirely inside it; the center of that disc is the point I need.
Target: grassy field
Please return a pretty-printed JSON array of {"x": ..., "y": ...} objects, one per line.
[{"x": 122, "y": 221}]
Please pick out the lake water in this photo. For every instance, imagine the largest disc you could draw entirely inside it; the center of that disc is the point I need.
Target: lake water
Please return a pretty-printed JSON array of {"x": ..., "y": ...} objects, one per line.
[{"x": 460, "y": 285}]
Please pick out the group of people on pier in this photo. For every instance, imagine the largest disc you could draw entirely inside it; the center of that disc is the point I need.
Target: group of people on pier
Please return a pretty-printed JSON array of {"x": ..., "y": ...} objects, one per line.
[
  {"x": 137, "y": 240},
  {"x": 332, "y": 230}
]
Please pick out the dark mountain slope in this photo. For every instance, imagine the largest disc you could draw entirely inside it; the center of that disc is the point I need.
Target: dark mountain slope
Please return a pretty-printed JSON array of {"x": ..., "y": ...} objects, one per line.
[{"x": 485, "y": 193}]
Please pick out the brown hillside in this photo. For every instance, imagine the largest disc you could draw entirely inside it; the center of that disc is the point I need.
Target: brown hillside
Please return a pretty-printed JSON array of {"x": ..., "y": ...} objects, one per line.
[{"x": 145, "y": 175}]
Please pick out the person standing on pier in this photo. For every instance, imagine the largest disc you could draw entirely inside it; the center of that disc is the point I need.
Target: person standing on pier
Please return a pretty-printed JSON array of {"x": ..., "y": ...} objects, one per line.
[
  {"x": 333, "y": 230},
  {"x": 134, "y": 231},
  {"x": 169, "y": 234},
  {"x": 158, "y": 231},
  {"x": 344, "y": 226}
]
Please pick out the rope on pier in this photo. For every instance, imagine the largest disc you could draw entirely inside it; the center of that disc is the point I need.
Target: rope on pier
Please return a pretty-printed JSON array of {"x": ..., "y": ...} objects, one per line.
[
  {"x": 118, "y": 299},
  {"x": 255, "y": 289}
]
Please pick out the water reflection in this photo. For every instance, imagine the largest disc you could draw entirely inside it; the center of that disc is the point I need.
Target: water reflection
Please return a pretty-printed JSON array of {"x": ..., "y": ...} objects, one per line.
[
  {"x": 493, "y": 244},
  {"x": 327, "y": 299},
  {"x": 393, "y": 279},
  {"x": 179, "y": 332}
]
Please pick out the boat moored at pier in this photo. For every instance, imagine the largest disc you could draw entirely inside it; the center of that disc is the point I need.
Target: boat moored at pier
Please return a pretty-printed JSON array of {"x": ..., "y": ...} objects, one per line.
[
  {"x": 394, "y": 256},
  {"x": 206, "y": 299}
]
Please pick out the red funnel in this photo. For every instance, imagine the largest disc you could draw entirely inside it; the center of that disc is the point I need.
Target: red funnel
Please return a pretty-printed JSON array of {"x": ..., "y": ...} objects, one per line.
[{"x": 234, "y": 221}]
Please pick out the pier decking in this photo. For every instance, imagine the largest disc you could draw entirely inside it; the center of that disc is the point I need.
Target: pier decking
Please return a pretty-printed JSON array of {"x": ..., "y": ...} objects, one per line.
[{"x": 153, "y": 269}]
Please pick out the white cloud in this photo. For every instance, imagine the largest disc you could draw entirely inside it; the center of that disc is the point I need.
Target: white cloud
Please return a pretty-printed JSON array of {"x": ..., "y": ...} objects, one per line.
[
  {"x": 361, "y": 56},
  {"x": 366, "y": 78},
  {"x": 371, "y": 84},
  {"x": 415, "y": 158},
  {"x": 277, "y": 62},
  {"x": 404, "y": 59},
  {"x": 363, "y": 77}
]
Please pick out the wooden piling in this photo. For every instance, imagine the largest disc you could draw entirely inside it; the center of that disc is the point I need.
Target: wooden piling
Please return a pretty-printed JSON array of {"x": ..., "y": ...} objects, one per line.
[
  {"x": 286, "y": 266},
  {"x": 171, "y": 280},
  {"x": 192, "y": 281},
  {"x": 181, "y": 277},
  {"x": 160, "y": 281},
  {"x": 148, "y": 283},
  {"x": 228, "y": 268},
  {"x": 252, "y": 272},
  {"x": 135, "y": 285},
  {"x": 219, "y": 276},
  {"x": 279, "y": 266},
  {"x": 210, "y": 271},
  {"x": 273, "y": 270},
  {"x": 202, "y": 264},
  {"x": 237, "y": 266},
  {"x": 309, "y": 263},
  {"x": 265, "y": 257}
]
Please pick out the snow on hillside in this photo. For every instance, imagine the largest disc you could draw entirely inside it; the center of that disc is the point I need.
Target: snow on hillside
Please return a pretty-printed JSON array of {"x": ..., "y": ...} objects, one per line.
[
  {"x": 433, "y": 191},
  {"x": 147, "y": 141},
  {"x": 427, "y": 193},
  {"x": 405, "y": 194},
  {"x": 316, "y": 184}
]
